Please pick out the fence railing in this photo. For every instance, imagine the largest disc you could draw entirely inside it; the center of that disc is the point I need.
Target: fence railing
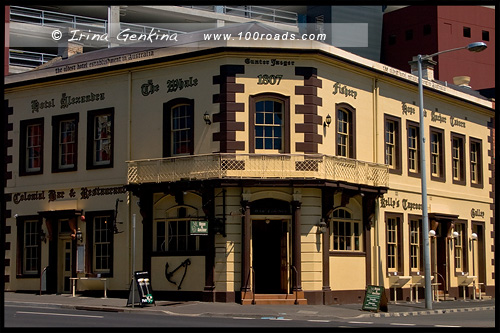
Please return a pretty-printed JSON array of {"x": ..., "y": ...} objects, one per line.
[
  {"x": 254, "y": 12},
  {"x": 28, "y": 59},
  {"x": 62, "y": 20},
  {"x": 58, "y": 20},
  {"x": 257, "y": 166}
]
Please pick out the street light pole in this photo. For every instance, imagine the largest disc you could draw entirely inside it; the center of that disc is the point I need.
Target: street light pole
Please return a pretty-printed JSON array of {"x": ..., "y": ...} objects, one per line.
[
  {"x": 423, "y": 181},
  {"x": 473, "y": 47}
]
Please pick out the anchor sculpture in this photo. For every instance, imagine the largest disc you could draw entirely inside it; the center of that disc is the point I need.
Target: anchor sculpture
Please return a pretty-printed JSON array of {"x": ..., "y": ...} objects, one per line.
[{"x": 168, "y": 274}]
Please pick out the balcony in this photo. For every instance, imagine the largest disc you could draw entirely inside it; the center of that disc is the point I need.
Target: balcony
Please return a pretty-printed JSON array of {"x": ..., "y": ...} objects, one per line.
[{"x": 256, "y": 166}]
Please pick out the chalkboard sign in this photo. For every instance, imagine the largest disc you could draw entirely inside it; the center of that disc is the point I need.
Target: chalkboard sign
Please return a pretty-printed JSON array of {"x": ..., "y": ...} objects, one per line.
[
  {"x": 143, "y": 292},
  {"x": 375, "y": 299}
]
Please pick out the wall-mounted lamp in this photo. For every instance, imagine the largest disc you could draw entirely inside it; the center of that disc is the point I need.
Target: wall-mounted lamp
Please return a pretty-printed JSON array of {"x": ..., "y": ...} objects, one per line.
[
  {"x": 206, "y": 117},
  {"x": 455, "y": 234},
  {"x": 432, "y": 233},
  {"x": 79, "y": 235},
  {"x": 322, "y": 226},
  {"x": 328, "y": 121},
  {"x": 473, "y": 236},
  {"x": 16, "y": 216}
]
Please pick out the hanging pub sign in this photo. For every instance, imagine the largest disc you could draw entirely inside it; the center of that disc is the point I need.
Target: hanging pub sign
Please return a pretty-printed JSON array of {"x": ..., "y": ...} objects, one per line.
[{"x": 198, "y": 227}]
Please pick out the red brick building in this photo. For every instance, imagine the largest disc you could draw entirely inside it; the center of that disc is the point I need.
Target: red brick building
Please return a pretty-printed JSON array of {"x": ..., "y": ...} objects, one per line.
[{"x": 414, "y": 30}]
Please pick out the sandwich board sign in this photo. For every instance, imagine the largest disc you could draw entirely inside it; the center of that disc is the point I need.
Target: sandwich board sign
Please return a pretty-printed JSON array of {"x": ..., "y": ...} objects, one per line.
[
  {"x": 375, "y": 299},
  {"x": 143, "y": 292}
]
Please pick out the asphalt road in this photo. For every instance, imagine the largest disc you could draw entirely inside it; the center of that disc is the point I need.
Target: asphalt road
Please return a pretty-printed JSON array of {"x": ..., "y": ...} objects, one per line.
[{"x": 27, "y": 316}]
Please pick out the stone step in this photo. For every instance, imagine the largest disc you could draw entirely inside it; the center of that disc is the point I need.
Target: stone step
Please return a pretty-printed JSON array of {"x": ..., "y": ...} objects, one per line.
[
  {"x": 274, "y": 301},
  {"x": 274, "y": 298}
]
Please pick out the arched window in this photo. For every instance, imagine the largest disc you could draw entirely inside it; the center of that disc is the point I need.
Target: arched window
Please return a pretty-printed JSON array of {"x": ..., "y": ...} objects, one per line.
[
  {"x": 172, "y": 234},
  {"x": 178, "y": 127},
  {"x": 346, "y": 232},
  {"x": 345, "y": 131},
  {"x": 269, "y": 123}
]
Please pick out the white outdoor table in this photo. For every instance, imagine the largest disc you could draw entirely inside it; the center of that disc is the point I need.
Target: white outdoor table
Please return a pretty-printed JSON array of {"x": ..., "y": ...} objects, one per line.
[{"x": 90, "y": 278}]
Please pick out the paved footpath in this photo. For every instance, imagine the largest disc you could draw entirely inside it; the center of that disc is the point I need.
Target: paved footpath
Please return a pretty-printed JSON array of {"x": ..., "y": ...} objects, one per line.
[{"x": 194, "y": 308}]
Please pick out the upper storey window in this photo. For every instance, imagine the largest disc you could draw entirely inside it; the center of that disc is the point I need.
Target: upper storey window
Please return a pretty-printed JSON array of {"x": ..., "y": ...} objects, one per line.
[
  {"x": 345, "y": 136},
  {"x": 178, "y": 127},
  {"x": 31, "y": 147},
  {"x": 393, "y": 143},
  {"x": 64, "y": 142},
  {"x": 269, "y": 123},
  {"x": 437, "y": 154},
  {"x": 100, "y": 139}
]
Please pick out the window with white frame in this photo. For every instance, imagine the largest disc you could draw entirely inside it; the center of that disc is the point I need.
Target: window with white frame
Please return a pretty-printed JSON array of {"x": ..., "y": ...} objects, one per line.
[
  {"x": 476, "y": 176},
  {"x": 100, "y": 138},
  {"x": 459, "y": 252},
  {"x": 456, "y": 157},
  {"x": 343, "y": 133},
  {"x": 346, "y": 232},
  {"x": 392, "y": 244},
  {"x": 413, "y": 148},
  {"x": 31, "y": 146},
  {"x": 269, "y": 125},
  {"x": 102, "y": 244},
  {"x": 34, "y": 147},
  {"x": 31, "y": 247},
  {"x": 435, "y": 142},
  {"x": 415, "y": 245},
  {"x": 437, "y": 154},
  {"x": 390, "y": 144},
  {"x": 181, "y": 129},
  {"x": 172, "y": 235},
  {"x": 67, "y": 144}
]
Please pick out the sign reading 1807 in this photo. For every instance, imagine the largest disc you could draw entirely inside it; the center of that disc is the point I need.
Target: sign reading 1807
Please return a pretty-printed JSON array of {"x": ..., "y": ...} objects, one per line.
[{"x": 269, "y": 79}]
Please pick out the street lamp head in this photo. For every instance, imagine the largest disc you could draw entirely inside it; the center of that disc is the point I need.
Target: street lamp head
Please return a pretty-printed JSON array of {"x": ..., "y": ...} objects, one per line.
[{"x": 477, "y": 47}]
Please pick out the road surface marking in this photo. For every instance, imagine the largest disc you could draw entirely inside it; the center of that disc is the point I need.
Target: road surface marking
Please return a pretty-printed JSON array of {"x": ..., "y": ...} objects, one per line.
[
  {"x": 402, "y": 324},
  {"x": 319, "y": 321},
  {"x": 242, "y": 318},
  {"x": 360, "y": 322},
  {"x": 446, "y": 326},
  {"x": 58, "y": 314}
]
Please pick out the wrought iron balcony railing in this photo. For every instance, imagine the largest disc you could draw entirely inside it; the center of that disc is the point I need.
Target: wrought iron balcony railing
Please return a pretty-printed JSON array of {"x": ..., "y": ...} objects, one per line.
[{"x": 257, "y": 166}]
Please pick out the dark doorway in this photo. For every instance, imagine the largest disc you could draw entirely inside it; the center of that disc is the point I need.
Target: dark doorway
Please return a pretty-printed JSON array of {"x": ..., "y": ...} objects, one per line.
[
  {"x": 269, "y": 259},
  {"x": 478, "y": 261},
  {"x": 442, "y": 259}
]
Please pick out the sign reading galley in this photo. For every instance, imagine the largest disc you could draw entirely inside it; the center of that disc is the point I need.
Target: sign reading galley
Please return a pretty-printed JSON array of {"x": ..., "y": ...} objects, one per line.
[
  {"x": 375, "y": 299},
  {"x": 142, "y": 292}
]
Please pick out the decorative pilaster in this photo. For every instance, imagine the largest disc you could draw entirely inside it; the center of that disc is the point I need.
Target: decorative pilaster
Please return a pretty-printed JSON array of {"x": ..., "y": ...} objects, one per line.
[
  {"x": 296, "y": 246},
  {"x": 245, "y": 253},
  {"x": 309, "y": 109},
  {"x": 228, "y": 108}
]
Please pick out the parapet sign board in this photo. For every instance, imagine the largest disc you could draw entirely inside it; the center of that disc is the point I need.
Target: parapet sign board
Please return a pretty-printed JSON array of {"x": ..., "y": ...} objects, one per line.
[{"x": 375, "y": 299}]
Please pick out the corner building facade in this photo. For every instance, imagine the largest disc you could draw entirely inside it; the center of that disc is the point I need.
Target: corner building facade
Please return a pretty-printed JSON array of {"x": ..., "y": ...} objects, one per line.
[{"x": 283, "y": 173}]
